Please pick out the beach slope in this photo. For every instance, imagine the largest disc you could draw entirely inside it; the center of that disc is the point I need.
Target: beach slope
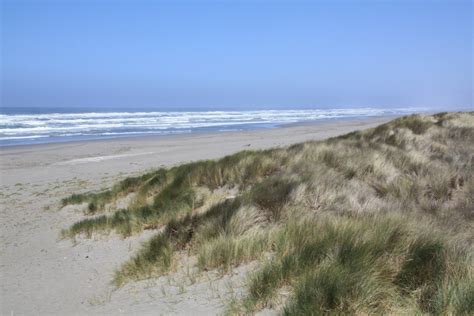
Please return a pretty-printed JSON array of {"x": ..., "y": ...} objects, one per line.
[
  {"x": 378, "y": 220},
  {"x": 43, "y": 274}
]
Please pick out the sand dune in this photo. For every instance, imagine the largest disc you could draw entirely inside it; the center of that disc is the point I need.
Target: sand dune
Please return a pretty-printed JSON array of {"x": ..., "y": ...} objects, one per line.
[{"x": 41, "y": 274}]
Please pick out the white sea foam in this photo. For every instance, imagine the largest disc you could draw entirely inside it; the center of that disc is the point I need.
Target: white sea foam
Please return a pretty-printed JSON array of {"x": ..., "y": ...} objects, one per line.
[{"x": 94, "y": 124}]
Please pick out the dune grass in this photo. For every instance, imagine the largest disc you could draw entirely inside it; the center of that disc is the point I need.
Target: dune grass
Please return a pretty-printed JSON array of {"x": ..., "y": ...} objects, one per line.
[
  {"x": 97, "y": 201},
  {"x": 363, "y": 264},
  {"x": 374, "y": 221}
]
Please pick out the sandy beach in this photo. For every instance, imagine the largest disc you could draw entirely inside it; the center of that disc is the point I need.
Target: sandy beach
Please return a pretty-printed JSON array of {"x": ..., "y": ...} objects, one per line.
[{"x": 41, "y": 274}]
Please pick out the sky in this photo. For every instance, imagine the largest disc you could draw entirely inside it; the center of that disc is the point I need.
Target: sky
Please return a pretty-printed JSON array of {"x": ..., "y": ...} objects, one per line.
[{"x": 236, "y": 54}]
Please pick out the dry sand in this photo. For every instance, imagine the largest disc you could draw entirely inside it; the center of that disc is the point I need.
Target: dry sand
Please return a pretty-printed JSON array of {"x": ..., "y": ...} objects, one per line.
[{"x": 40, "y": 274}]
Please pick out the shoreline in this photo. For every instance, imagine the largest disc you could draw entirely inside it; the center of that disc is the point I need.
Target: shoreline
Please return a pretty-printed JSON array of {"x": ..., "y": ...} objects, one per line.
[
  {"x": 65, "y": 126},
  {"x": 130, "y": 137},
  {"x": 42, "y": 274},
  {"x": 132, "y": 155},
  {"x": 158, "y": 137}
]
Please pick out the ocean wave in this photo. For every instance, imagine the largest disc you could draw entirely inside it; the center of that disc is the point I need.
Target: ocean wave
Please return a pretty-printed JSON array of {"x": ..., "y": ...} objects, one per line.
[{"x": 63, "y": 125}]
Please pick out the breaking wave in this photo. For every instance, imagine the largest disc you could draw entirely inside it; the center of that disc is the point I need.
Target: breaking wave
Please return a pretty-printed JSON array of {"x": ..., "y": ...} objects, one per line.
[{"x": 52, "y": 127}]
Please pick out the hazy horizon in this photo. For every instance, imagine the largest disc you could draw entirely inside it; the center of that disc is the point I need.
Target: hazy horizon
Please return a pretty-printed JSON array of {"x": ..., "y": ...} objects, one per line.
[{"x": 236, "y": 55}]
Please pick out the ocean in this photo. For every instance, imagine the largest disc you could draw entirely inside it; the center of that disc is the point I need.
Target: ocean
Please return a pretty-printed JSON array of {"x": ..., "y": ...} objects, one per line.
[{"x": 37, "y": 126}]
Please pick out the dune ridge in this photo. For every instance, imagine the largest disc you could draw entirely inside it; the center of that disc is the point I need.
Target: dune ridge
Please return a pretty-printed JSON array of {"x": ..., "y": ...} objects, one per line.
[{"x": 372, "y": 221}]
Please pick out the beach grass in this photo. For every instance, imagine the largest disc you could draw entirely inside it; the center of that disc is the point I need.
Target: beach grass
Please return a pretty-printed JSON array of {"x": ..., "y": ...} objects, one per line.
[{"x": 374, "y": 221}]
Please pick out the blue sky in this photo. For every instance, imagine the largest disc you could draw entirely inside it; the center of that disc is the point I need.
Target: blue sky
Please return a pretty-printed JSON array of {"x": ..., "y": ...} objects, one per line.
[{"x": 236, "y": 54}]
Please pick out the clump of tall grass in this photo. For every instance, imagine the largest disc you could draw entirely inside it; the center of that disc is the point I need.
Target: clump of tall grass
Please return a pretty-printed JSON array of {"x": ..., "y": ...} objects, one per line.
[
  {"x": 97, "y": 201},
  {"x": 173, "y": 191},
  {"x": 362, "y": 264},
  {"x": 375, "y": 221}
]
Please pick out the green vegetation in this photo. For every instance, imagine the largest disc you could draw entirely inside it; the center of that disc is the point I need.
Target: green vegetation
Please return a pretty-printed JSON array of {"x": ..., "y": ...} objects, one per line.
[
  {"x": 362, "y": 264},
  {"x": 375, "y": 221}
]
